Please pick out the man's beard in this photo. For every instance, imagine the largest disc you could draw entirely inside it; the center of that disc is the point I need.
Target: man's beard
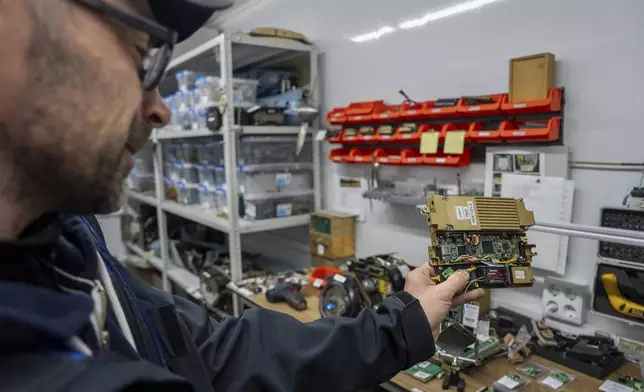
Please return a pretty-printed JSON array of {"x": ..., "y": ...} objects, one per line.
[{"x": 65, "y": 137}]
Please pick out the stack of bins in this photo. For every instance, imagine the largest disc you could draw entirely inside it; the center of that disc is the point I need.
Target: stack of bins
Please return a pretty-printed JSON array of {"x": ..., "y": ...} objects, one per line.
[
  {"x": 141, "y": 178},
  {"x": 274, "y": 181},
  {"x": 210, "y": 154}
]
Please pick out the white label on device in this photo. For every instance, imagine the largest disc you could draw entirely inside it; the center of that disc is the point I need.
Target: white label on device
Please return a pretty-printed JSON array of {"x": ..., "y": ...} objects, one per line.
[
  {"x": 420, "y": 374},
  {"x": 339, "y": 278},
  {"x": 484, "y": 133},
  {"x": 441, "y": 160},
  {"x": 483, "y": 329},
  {"x": 519, "y": 274},
  {"x": 612, "y": 386},
  {"x": 518, "y": 133},
  {"x": 508, "y": 382},
  {"x": 460, "y": 213},
  {"x": 423, "y": 364},
  {"x": 320, "y": 249},
  {"x": 282, "y": 178},
  {"x": 284, "y": 210},
  {"x": 470, "y": 205},
  {"x": 318, "y": 283},
  {"x": 475, "y": 109},
  {"x": 520, "y": 106},
  {"x": 437, "y": 110},
  {"x": 552, "y": 382},
  {"x": 470, "y": 315}
]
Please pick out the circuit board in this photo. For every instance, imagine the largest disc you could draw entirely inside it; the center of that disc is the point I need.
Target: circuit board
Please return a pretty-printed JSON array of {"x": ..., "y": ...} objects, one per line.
[
  {"x": 484, "y": 236},
  {"x": 425, "y": 371},
  {"x": 635, "y": 384}
]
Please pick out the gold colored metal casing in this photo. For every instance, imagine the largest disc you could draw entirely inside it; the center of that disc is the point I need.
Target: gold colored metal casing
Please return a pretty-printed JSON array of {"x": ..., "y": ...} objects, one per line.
[{"x": 477, "y": 213}]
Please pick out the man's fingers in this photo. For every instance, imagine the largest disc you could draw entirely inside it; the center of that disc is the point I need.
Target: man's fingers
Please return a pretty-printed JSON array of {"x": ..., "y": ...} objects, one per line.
[
  {"x": 467, "y": 297},
  {"x": 455, "y": 283},
  {"x": 427, "y": 270}
]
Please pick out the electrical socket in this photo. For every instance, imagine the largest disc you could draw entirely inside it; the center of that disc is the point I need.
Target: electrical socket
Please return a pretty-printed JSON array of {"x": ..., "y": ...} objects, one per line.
[{"x": 565, "y": 301}]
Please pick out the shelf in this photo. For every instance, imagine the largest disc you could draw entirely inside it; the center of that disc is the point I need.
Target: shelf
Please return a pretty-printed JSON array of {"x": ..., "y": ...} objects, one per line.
[
  {"x": 154, "y": 261},
  {"x": 198, "y": 215},
  {"x": 142, "y": 197},
  {"x": 168, "y": 134},
  {"x": 210, "y": 219},
  {"x": 271, "y": 130},
  {"x": 185, "y": 279}
]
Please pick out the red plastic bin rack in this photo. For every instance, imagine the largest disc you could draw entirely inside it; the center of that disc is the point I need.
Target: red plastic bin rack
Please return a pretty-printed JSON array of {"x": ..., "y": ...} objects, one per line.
[
  {"x": 432, "y": 112},
  {"x": 339, "y": 155},
  {"x": 388, "y": 156},
  {"x": 449, "y": 160},
  {"x": 334, "y": 139},
  {"x": 361, "y": 112},
  {"x": 360, "y": 155},
  {"x": 382, "y": 138},
  {"x": 337, "y": 116},
  {"x": 511, "y": 131},
  {"x": 414, "y": 137},
  {"x": 477, "y": 134},
  {"x": 385, "y": 113},
  {"x": 486, "y": 109},
  {"x": 550, "y": 104},
  {"x": 454, "y": 127},
  {"x": 412, "y": 111}
]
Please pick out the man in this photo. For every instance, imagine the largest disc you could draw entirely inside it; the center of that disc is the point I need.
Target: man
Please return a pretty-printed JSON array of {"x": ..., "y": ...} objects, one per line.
[{"x": 78, "y": 99}]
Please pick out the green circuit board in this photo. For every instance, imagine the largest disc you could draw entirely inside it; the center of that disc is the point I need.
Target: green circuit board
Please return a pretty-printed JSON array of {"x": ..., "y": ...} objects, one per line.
[
  {"x": 635, "y": 384},
  {"x": 425, "y": 371}
]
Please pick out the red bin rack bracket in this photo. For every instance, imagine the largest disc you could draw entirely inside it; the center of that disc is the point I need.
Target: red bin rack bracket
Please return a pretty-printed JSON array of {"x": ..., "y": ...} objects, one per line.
[
  {"x": 551, "y": 104},
  {"x": 531, "y": 131}
]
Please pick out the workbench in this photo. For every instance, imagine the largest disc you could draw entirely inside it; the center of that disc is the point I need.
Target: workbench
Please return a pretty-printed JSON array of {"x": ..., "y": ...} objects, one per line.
[{"x": 483, "y": 376}]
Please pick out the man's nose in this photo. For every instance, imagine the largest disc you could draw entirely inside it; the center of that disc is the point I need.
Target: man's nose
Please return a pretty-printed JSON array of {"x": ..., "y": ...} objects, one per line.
[{"x": 154, "y": 110}]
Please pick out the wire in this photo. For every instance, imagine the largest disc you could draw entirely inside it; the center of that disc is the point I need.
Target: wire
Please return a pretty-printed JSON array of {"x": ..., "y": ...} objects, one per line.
[{"x": 472, "y": 282}]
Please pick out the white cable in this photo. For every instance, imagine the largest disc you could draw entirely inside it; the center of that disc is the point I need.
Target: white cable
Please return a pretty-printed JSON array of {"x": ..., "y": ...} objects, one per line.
[
  {"x": 76, "y": 343},
  {"x": 114, "y": 300}
]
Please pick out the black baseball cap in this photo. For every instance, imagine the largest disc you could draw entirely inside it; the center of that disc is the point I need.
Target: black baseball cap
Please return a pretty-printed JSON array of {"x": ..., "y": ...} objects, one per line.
[{"x": 186, "y": 16}]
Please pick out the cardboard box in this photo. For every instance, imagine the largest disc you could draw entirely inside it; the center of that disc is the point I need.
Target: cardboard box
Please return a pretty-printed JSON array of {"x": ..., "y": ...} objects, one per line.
[
  {"x": 332, "y": 247},
  {"x": 332, "y": 223},
  {"x": 332, "y": 234},
  {"x": 531, "y": 77}
]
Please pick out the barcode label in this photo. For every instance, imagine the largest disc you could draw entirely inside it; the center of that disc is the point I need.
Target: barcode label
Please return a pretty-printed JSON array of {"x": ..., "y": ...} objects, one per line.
[
  {"x": 518, "y": 133},
  {"x": 484, "y": 133}
]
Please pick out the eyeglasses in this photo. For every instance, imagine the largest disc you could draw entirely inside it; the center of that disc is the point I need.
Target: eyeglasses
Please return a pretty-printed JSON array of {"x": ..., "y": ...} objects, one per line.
[{"x": 157, "y": 56}]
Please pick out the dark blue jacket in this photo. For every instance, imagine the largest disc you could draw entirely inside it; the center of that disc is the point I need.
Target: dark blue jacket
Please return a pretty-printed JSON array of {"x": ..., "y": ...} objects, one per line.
[{"x": 42, "y": 305}]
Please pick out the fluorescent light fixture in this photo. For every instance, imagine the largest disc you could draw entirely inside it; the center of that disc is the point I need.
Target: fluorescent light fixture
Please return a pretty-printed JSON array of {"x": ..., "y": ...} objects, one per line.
[
  {"x": 445, "y": 13},
  {"x": 374, "y": 34}
]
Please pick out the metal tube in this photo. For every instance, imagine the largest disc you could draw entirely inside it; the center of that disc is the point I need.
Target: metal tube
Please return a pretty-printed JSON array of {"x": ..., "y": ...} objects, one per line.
[
  {"x": 230, "y": 160},
  {"x": 161, "y": 217},
  {"x": 589, "y": 235},
  {"x": 594, "y": 229},
  {"x": 315, "y": 98}
]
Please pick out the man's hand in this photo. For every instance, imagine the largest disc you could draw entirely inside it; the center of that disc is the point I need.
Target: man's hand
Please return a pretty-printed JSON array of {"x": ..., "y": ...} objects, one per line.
[{"x": 437, "y": 299}]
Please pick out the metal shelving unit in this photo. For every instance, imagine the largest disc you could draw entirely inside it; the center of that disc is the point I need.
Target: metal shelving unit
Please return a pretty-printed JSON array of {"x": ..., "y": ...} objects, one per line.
[{"x": 226, "y": 54}]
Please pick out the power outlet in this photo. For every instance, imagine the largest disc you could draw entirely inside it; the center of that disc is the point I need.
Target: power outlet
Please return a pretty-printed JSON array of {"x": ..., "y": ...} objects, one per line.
[{"x": 565, "y": 301}]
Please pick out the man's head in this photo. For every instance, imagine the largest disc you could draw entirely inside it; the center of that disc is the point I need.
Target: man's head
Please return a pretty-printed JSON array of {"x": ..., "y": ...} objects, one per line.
[{"x": 72, "y": 107}]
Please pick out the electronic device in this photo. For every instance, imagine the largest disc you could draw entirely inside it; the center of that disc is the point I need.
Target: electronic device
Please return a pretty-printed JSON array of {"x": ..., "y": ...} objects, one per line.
[
  {"x": 367, "y": 131},
  {"x": 425, "y": 371},
  {"x": 627, "y": 219},
  {"x": 350, "y": 132},
  {"x": 289, "y": 293},
  {"x": 477, "y": 100},
  {"x": 364, "y": 285},
  {"x": 484, "y": 236},
  {"x": 619, "y": 291},
  {"x": 407, "y": 128},
  {"x": 386, "y": 130},
  {"x": 269, "y": 116},
  {"x": 446, "y": 102}
]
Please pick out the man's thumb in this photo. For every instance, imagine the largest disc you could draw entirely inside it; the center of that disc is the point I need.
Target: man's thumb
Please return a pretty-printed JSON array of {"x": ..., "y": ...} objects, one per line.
[{"x": 455, "y": 283}]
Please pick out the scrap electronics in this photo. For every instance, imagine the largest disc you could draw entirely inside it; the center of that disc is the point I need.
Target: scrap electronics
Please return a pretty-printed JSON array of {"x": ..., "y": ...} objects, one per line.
[
  {"x": 484, "y": 236},
  {"x": 364, "y": 285}
]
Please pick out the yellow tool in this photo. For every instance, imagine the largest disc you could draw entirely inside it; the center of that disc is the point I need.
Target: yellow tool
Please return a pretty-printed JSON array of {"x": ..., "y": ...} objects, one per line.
[{"x": 617, "y": 301}]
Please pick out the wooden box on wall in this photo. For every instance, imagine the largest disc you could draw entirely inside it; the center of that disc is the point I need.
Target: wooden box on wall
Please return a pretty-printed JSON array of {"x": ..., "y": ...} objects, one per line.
[
  {"x": 332, "y": 234},
  {"x": 531, "y": 77}
]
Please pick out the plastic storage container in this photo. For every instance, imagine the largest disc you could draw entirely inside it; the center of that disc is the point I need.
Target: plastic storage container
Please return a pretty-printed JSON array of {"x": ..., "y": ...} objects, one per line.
[
  {"x": 267, "y": 181},
  {"x": 172, "y": 171},
  {"x": 255, "y": 150},
  {"x": 142, "y": 166},
  {"x": 208, "y": 90},
  {"x": 244, "y": 92},
  {"x": 277, "y": 205},
  {"x": 171, "y": 152},
  {"x": 207, "y": 196},
  {"x": 188, "y": 152},
  {"x": 209, "y": 175},
  {"x": 211, "y": 153},
  {"x": 187, "y": 172},
  {"x": 140, "y": 183},
  {"x": 186, "y": 79},
  {"x": 186, "y": 193}
]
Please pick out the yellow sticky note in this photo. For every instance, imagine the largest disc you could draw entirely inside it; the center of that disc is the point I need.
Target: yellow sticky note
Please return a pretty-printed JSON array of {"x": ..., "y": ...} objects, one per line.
[
  {"x": 429, "y": 142},
  {"x": 454, "y": 142}
]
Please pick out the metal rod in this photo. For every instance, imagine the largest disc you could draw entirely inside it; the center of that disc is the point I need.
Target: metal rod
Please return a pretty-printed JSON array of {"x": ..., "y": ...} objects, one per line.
[
  {"x": 633, "y": 234},
  {"x": 315, "y": 98},
  {"x": 589, "y": 235},
  {"x": 600, "y": 163},
  {"x": 162, "y": 222},
  {"x": 230, "y": 160}
]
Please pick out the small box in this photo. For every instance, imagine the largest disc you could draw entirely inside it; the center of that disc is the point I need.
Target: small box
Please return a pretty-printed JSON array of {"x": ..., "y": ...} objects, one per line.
[
  {"x": 332, "y": 235},
  {"x": 531, "y": 77}
]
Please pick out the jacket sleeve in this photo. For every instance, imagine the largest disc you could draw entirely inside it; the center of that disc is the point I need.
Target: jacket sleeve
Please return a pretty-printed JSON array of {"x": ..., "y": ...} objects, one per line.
[{"x": 270, "y": 351}]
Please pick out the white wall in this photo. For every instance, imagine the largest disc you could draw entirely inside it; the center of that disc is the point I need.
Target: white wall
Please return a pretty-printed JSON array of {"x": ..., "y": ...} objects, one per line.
[{"x": 599, "y": 47}]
